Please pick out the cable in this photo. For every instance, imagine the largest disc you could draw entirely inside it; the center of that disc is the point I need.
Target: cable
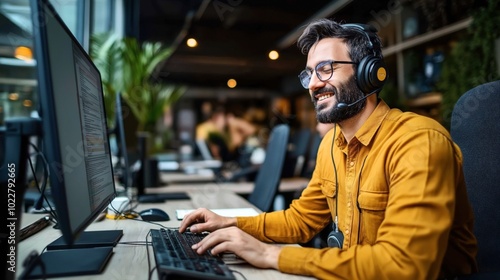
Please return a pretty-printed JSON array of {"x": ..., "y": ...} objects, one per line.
[
  {"x": 238, "y": 272},
  {"x": 41, "y": 189},
  {"x": 30, "y": 262},
  {"x": 125, "y": 214},
  {"x": 151, "y": 270},
  {"x": 46, "y": 171},
  {"x": 154, "y": 223},
  {"x": 336, "y": 179},
  {"x": 133, "y": 215}
]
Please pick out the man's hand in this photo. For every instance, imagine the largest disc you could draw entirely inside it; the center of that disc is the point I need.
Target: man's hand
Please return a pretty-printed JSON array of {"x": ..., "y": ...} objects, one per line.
[
  {"x": 233, "y": 239},
  {"x": 203, "y": 219}
]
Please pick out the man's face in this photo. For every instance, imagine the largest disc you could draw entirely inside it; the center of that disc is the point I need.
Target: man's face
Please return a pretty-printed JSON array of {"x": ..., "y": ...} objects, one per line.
[{"x": 340, "y": 88}]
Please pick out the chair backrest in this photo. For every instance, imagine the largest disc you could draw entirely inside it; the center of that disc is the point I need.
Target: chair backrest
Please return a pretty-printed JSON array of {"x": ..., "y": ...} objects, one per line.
[
  {"x": 202, "y": 147},
  {"x": 269, "y": 175},
  {"x": 296, "y": 152},
  {"x": 475, "y": 127},
  {"x": 311, "y": 156}
]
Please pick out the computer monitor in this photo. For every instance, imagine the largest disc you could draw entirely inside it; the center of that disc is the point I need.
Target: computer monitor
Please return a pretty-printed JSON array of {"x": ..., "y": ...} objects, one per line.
[
  {"x": 76, "y": 145},
  {"x": 122, "y": 167}
]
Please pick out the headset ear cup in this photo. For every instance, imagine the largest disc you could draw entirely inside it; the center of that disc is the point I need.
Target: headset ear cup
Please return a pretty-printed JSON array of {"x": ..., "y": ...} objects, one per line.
[{"x": 371, "y": 74}]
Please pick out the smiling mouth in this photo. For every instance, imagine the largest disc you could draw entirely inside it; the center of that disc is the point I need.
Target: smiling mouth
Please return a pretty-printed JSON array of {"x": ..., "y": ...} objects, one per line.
[{"x": 324, "y": 96}]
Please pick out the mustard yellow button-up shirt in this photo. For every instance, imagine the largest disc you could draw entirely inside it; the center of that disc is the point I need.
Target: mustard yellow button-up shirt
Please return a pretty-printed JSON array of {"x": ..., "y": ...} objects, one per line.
[{"x": 402, "y": 205}]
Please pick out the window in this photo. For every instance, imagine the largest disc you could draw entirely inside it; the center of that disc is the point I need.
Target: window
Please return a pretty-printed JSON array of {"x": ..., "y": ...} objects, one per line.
[{"x": 18, "y": 83}]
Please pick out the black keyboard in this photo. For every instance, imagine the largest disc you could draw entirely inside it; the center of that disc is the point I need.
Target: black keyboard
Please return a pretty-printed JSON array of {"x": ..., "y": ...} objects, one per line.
[{"x": 175, "y": 259}]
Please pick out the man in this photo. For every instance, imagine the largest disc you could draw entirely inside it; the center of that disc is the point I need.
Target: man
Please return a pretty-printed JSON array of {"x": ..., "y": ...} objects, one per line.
[{"x": 391, "y": 182}]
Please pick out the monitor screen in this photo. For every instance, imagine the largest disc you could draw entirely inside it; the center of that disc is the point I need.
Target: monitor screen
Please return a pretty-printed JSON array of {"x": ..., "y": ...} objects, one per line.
[{"x": 74, "y": 124}]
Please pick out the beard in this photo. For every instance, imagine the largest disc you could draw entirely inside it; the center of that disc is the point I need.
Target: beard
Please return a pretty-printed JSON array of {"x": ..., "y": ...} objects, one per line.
[{"x": 346, "y": 93}]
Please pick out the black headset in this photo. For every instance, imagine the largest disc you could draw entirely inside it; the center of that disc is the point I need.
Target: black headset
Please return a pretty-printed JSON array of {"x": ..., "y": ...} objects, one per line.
[{"x": 371, "y": 74}]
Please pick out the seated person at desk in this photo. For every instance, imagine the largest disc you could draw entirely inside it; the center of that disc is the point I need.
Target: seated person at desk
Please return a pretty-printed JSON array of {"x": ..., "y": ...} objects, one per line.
[
  {"x": 391, "y": 182},
  {"x": 213, "y": 128},
  {"x": 224, "y": 133}
]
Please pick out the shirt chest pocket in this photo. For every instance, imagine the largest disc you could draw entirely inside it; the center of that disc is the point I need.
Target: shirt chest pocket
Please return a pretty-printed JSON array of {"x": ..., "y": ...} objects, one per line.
[
  {"x": 372, "y": 206},
  {"x": 329, "y": 190}
]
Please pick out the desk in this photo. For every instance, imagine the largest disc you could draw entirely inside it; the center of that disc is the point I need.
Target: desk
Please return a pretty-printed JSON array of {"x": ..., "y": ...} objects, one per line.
[
  {"x": 287, "y": 185},
  {"x": 288, "y": 188},
  {"x": 130, "y": 261},
  {"x": 197, "y": 177}
]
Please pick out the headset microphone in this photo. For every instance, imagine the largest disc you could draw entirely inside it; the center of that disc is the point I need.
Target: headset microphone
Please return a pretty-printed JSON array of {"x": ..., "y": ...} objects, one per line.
[{"x": 344, "y": 105}]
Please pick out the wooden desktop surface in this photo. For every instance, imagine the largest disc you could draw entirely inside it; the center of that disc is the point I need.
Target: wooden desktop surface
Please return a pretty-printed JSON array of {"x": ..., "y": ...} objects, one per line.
[
  {"x": 180, "y": 177},
  {"x": 287, "y": 185},
  {"x": 130, "y": 261}
]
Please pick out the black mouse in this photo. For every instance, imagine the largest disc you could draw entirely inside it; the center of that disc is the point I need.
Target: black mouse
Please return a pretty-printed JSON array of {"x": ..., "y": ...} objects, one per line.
[{"x": 154, "y": 214}]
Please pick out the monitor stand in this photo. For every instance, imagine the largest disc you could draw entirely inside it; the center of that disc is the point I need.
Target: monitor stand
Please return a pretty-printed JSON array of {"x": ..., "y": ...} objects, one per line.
[
  {"x": 88, "y": 255},
  {"x": 71, "y": 262},
  {"x": 89, "y": 239}
]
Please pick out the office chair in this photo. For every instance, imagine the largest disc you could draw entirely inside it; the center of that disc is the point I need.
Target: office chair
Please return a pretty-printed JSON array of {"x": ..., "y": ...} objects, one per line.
[
  {"x": 202, "y": 148},
  {"x": 269, "y": 175},
  {"x": 475, "y": 127},
  {"x": 310, "y": 163},
  {"x": 297, "y": 153}
]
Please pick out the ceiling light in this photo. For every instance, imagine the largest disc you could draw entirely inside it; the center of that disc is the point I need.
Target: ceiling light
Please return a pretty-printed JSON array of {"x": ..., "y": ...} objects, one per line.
[
  {"x": 23, "y": 53},
  {"x": 231, "y": 83},
  {"x": 27, "y": 103},
  {"x": 191, "y": 42},
  {"x": 13, "y": 96},
  {"x": 274, "y": 55}
]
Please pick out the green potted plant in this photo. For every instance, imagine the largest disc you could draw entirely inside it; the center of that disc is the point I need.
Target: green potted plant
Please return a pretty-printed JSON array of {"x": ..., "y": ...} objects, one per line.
[
  {"x": 106, "y": 55},
  {"x": 128, "y": 67}
]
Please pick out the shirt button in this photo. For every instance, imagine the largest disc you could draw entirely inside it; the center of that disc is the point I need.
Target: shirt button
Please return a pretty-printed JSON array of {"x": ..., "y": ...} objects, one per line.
[
  {"x": 346, "y": 231},
  {"x": 352, "y": 163}
]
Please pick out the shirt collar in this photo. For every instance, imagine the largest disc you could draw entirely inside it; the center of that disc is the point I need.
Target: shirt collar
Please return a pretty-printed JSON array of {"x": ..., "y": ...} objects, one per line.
[{"x": 365, "y": 134}]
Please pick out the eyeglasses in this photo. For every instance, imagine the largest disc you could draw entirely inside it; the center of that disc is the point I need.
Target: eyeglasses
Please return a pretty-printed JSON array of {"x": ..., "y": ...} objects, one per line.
[{"x": 324, "y": 71}]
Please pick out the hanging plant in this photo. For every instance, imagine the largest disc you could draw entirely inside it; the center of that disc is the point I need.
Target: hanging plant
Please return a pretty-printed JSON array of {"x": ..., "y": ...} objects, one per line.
[{"x": 472, "y": 61}]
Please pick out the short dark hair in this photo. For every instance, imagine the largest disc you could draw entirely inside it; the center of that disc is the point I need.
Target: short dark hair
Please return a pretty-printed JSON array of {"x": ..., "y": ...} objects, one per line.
[{"x": 358, "y": 43}]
